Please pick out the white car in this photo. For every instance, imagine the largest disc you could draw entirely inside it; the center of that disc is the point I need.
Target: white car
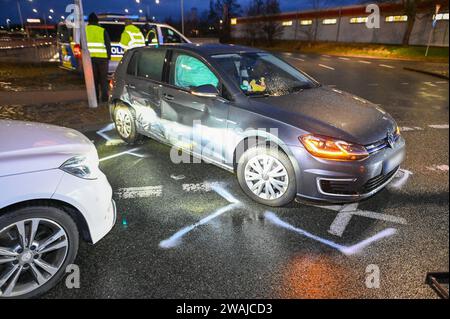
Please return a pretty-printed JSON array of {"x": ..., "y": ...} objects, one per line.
[{"x": 51, "y": 194}]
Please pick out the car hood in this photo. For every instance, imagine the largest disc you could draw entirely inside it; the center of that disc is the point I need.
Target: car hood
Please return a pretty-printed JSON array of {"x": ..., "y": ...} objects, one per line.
[
  {"x": 30, "y": 147},
  {"x": 330, "y": 112}
]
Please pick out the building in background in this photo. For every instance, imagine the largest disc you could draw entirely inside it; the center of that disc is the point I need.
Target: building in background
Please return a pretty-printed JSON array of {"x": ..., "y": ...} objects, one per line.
[{"x": 348, "y": 24}]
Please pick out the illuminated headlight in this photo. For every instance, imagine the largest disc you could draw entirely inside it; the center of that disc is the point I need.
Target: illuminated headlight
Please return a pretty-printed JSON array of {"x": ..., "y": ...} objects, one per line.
[
  {"x": 82, "y": 166},
  {"x": 333, "y": 149}
]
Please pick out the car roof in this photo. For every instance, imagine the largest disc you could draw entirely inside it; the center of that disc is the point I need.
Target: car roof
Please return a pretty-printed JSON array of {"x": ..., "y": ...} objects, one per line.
[{"x": 212, "y": 48}]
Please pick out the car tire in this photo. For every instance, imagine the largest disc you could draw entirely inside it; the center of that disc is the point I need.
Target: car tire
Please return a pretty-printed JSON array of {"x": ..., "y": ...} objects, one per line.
[
  {"x": 281, "y": 181},
  {"x": 52, "y": 221},
  {"x": 125, "y": 123}
]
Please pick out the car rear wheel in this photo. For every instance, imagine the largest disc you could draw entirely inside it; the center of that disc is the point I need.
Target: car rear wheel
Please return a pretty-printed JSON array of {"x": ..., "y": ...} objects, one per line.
[
  {"x": 36, "y": 245},
  {"x": 126, "y": 125},
  {"x": 266, "y": 175}
]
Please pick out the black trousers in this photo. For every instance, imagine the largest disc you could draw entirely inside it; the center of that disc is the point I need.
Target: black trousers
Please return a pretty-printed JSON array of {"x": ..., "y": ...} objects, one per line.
[{"x": 100, "y": 69}]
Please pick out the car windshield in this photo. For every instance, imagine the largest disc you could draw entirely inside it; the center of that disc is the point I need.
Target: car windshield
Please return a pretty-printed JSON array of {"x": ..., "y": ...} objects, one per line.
[{"x": 263, "y": 74}]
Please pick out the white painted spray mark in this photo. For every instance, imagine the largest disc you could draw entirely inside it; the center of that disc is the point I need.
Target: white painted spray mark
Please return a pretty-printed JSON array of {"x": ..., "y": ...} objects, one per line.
[
  {"x": 400, "y": 179},
  {"x": 107, "y": 128},
  {"x": 409, "y": 129},
  {"x": 404, "y": 83},
  {"x": 129, "y": 152},
  {"x": 326, "y": 56},
  {"x": 435, "y": 168},
  {"x": 115, "y": 142},
  {"x": 345, "y": 59},
  {"x": 387, "y": 66},
  {"x": 177, "y": 177},
  {"x": 365, "y": 62},
  {"x": 139, "y": 192},
  {"x": 346, "y": 250},
  {"x": 332, "y": 85},
  {"x": 326, "y": 66},
  {"x": 175, "y": 239},
  {"x": 439, "y": 126},
  {"x": 429, "y": 84},
  {"x": 441, "y": 82}
]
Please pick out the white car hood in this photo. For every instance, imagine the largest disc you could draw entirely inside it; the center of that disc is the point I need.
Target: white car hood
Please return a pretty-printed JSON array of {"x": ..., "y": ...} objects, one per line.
[{"x": 30, "y": 147}]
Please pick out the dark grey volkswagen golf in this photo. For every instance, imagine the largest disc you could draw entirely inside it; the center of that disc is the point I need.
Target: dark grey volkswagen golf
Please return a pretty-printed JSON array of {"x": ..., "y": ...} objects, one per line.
[{"x": 248, "y": 111}]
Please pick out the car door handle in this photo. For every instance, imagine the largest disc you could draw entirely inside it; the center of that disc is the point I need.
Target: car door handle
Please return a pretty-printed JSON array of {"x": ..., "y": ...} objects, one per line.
[{"x": 168, "y": 97}]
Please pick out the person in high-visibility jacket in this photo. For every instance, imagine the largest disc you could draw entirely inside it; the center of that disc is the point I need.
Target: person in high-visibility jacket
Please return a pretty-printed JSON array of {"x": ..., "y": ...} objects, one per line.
[
  {"x": 131, "y": 37},
  {"x": 99, "y": 46}
]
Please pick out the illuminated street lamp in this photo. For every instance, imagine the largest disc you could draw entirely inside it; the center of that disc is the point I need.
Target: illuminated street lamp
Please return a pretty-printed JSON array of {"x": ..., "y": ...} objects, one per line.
[
  {"x": 126, "y": 10},
  {"x": 35, "y": 11},
  {"x": 51, "y": 11}
]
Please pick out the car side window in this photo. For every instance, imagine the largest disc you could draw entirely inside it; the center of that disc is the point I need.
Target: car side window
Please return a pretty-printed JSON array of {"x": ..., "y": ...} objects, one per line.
[
  {"x": 171, "y": 36},
  {"x": 188, "y": 72},
  {"x": 151, "y": 64},
  {"x": 131, "y": 69}
]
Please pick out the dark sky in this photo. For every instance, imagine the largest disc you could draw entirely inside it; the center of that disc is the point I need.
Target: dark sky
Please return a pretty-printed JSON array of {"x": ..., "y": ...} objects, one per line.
[{"x": 8, "y": 8}]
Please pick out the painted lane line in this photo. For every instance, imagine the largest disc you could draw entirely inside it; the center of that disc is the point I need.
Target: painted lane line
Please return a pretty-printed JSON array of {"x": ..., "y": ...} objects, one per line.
[
  {"x": 326, "y": 67},
  {"x": 139, "y": 192},
  {"x": 129, "y": 152},
  {"x": 439, "y": 126},
  {"x": 344, "y": 59},
  {"x": 387, "y": 66},
  {"x": 346, "y": 250},
  {"x": 365, "y": 62},
  {"x": 175, "y": 239},
  {"x": 435, "y": 168},
  {"x": 298, "y": 59}
]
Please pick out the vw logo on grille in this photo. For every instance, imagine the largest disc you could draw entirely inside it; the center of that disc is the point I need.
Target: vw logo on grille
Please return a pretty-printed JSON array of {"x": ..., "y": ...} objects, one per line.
[{"x": 390, "y": 139}]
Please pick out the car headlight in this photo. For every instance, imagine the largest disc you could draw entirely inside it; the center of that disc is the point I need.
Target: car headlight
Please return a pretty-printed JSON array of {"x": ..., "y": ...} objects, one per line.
[
  {"x": 81, "y": 166},
  {"x": 333, "y": 149}
]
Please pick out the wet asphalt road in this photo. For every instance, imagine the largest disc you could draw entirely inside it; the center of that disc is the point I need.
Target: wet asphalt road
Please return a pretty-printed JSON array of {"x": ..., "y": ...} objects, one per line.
[{"x": 242, "y": 253}]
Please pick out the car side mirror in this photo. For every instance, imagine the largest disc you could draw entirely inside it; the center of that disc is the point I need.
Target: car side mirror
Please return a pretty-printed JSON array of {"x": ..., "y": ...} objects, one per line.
[{"x": 206, "y": 90}]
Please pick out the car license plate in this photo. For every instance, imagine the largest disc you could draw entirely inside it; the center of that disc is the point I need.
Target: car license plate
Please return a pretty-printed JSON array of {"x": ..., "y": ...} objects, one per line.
[{"x": 394, "y": 161}]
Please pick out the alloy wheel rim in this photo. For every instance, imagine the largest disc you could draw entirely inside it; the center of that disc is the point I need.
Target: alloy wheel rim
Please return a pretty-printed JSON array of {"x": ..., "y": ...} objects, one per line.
[
  {"x": 123, "y": 123},
  {"x": 31, "y": 252},
  {"x": 266, "y": 177}
]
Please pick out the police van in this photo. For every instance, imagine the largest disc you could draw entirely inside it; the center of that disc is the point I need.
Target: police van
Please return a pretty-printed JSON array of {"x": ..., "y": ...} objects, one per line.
[{"x": 69, "y": 39}]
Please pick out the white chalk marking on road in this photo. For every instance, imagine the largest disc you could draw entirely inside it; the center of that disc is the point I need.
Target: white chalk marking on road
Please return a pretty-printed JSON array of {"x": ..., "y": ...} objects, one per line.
[
  {"x": 129, "y": 152},
  {"x": 404, "y": 83},
  {"x": 441, "y": 82},
  {"x": 139, "y": 192},
  {"x": 198, "y": 187},
  {"x": 346, "y": 250},
  {"x": 346, "y": 212},
  {"x": 326, "y": 66},
  {"x": 400, "y": 179},
  {"x": 175, "y": 239},
  {"x": 115, "y": 142},
  {"x": 365, "y": 62},
  {"x": 435, "y": 168},
  {"x": 107, "y": 128},
  {"x": 345, "y": 59},
  {"x": 429, "y": 84},
  {"x": 387, "y": 66},
  {"x": 298, "y": 59},
  {"x": 177, "y": 177},
  {"x": 326, "y": 56},
  {"x": 332, "y": 85},
  {"x": 439, "y": 126},
  {"x": 409, "y": 129}
]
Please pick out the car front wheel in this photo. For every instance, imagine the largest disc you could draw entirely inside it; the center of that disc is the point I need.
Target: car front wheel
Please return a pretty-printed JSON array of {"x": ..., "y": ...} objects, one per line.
[
  {"x": 267, "y": 176},
  {"x": 126, "y": 125},
  {"x": 36, "y": 245}
]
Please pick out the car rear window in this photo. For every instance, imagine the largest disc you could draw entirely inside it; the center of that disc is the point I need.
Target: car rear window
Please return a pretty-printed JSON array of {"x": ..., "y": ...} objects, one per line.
[{"x": 151, "y": 63}]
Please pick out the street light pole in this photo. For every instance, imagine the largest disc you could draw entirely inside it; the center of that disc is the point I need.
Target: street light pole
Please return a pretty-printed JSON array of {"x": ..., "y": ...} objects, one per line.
[
  {"x": 182, "y": 16},
  {"x": 86, "y": 58}
]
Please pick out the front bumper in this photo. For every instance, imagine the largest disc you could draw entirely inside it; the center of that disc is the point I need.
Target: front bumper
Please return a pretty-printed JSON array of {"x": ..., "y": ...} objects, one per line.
[
  {"x": 93, "y": 199},
  {"x": 345, "y": 181}
]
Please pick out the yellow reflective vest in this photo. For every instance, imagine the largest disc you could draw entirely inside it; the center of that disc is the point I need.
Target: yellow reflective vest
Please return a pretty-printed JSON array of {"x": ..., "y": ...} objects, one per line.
[
  {"x": 95, "y": 36},
  {"x": 131, "y": 38}
]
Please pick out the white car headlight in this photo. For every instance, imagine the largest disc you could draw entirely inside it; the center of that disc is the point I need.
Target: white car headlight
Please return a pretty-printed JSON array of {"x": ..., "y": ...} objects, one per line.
[{"x": 82, "y": 166}]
